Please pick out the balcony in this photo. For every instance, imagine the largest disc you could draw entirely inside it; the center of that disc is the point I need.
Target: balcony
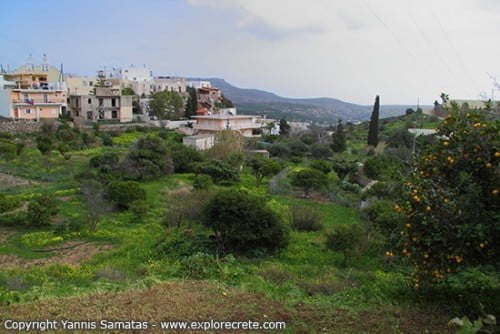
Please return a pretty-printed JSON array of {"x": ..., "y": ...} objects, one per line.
[
  {"x": 37, "y": 102},
  {"x": 40, "y": 86},
  {"x": 221, "y": 127}
]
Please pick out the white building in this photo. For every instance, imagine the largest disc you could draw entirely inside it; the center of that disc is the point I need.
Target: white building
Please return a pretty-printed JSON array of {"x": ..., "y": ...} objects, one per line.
[
  {"x": 199, "y": 142},
  {"x": 199, "y": 84}
]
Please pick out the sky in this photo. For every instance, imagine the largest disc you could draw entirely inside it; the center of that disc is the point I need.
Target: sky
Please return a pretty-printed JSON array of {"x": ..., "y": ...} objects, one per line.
[{"x": 403, "y": 50}]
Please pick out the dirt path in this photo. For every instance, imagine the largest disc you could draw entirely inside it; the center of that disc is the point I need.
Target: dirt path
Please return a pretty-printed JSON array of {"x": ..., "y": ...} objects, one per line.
[{"x": 72, "y": 256}]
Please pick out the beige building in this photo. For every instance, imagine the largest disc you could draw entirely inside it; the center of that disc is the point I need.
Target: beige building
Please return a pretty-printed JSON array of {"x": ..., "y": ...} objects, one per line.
[
  {"x": 107, "y": 104},
  {"x": 80, "y": 85},
  {"x": 247, "y": 125},
  {"x": 35, "y": 92},
  {"x": 199, "y": 142}
]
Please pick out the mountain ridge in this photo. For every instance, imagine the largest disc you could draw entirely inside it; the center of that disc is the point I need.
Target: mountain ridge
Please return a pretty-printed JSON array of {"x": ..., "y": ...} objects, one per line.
[{"x": 318, "y": 109}]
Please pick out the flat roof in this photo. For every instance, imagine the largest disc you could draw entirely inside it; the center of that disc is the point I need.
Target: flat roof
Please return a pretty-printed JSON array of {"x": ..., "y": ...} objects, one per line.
[{"x": 199, "y": 136}]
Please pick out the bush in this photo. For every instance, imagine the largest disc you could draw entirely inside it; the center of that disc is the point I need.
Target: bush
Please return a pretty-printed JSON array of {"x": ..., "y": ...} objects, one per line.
[
  {"x": 382, "y": 167},
  {"x": 41, "y": 209},
  {"x": 321, "y": 165},
  {"x": 309, "y": 179},
  {"x": 148, "y": 159},
  {"x": 105, "y": 163},
  {"x": 298, "y": 148},
  {"x": 279, "y": 150},
  {"x": 123, "y": 193},
  {"x": 306, "y": 218},
  {"x": 242, "y": 223},
  {"x": 345, "y": 238},
  {"x": 183, "y": 156},
  {"x": 321, "y": 151},
  {"x": 344, "y": 167},
  {"x": 276, "y": 274},
  {"x": 262, "y": 167},
  {"x": 184, "y": 242},
  {"x": 279, "y": 184},
  {"x": 106, "y": 139},
  {"x": 198, "y": 266},
  {"x": 381, "y": 213},
  {"x": 202, "y": 182},
  {"x": 7, "y": 203},
  {"x": 138, "y": 209},
  {"x": 185, "y": 206},
  {"x": 218, "y": 170}
]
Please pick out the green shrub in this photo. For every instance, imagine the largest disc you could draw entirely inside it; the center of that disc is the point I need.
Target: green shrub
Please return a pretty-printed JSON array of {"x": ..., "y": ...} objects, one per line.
[
  {"x": 198, "y": 266},
  {"x": 123, "y": 193},
  {"x": 262, "y": 167},
  {"x": 242, "y": 222},
  {"x": 138, "y": 209},
  {"x": 321, "y": 151},
  {"x": 148, "y": 159},
  {"x": 105, "y": 163},
  {"x": 306, "y": 218},
  {"x": 183, "y": 156},
  {"x": 41, "y": 209},
  {"x": 280, "y": 150},
  {"x": 383, "y": 216},
  {"x": 7, "y": 203},
  {"x": 218, "y": 170},
  {"x": 344, "y": 167},
  {"x": 184, "y": 242},
  {"x": 202, "y": 182},
  {"x": 298, "y": 148},
  {"x": 321, "y": 165},
  {"x": 309, "y": 179},
  {"x": 345, "y": 238}
]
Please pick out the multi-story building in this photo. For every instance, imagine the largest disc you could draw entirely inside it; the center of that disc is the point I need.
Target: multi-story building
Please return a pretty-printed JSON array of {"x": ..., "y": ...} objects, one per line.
[
  {"x": 80, "y": 85},
  {"x": 5, "y": 86},
  {"x": 104, "y": 104},
  {"x": 247, "y": 125},
  {"x": 172, "y": 84},
  {"x": 37, "y": 93}
]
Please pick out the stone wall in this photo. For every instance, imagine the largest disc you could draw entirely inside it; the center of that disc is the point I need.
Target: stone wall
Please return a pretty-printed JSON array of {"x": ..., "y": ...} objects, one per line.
[{"x": 15, "y": 127}]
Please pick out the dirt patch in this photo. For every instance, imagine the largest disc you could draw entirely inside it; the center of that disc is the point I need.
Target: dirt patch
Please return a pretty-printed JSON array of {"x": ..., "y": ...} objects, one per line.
[
  {"x": 11, "y": 181},
  {"x": 74, "y": 253},
  {"x": 5, "y": 234},
  {"x": 202, "y": 301}
]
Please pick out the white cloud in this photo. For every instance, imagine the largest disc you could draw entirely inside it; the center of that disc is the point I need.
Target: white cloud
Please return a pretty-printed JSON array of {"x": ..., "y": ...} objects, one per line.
[{"x": 401, "y": 49}]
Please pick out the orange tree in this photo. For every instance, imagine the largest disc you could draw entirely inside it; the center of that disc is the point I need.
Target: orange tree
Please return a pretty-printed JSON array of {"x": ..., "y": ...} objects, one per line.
[{"x": 452, "y": 199}]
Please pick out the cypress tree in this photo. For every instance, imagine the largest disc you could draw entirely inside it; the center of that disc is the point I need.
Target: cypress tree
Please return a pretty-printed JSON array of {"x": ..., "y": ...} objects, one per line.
[
  {"x": 338, "y": 138},
  {"x": 192, "y": 102},
  {"x": 373, "y": 130}
]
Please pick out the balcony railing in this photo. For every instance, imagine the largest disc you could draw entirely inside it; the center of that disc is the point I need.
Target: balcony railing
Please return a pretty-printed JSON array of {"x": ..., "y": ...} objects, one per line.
[
  {"x": 37, "y": 101},
  {"x": 42, "y": 86},
  {"x": 225, "y": 127}
]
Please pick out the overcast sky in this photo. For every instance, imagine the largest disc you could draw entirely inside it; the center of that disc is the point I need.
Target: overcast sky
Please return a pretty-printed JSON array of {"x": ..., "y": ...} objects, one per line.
[{"x": 347, "y": 49}]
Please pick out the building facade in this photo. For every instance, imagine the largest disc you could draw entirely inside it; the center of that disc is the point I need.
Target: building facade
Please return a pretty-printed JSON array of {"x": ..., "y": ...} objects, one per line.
[
  {"x": 107, "y": 104},
  {"x": 247, "y": 125},
  {"x": 33, "y": 95}
]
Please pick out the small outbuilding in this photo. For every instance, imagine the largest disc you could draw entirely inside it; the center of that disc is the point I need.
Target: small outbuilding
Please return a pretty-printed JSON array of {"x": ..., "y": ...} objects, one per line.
[{"x": 199, "y": 142}]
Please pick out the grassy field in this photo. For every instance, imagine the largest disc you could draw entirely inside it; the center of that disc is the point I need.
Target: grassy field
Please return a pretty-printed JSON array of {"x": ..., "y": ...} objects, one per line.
[{"x": 117, "y": 271}]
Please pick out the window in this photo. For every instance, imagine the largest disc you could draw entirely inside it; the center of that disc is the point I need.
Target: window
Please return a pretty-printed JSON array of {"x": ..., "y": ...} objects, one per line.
[
  {"x": 90, "y": 115},
  {"x": 28, "y": 111},
  {"x": 114, "y": 114},
  {"x": 77, "y": 113},
  {"x": 91, "y": 83},
  {"x": 89, "y": 101},
  {"x": 101, "y": 102},
  {"x": 45, "y": 98},
  {"x": 180, "y": 90},
  {"x": 113, "y": 102},
  {"x": 76, "y": 102},
  {"x": 101, "y": 114},
  {"x": 26, "y": 98}
]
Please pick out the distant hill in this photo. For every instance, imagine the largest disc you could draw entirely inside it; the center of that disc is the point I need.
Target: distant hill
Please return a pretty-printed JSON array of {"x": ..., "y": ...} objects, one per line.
[{"x": 323, "y": 109}]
